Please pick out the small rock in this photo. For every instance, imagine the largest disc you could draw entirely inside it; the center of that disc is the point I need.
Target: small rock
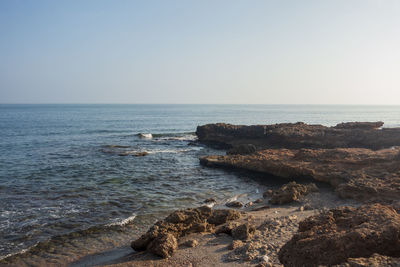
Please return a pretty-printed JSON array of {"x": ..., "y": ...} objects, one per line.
[
  {"x": 235, "y": 244},
  {"x": 190, "y": 243},
  {"x": 301, "y": 208},
  {"x": 234, "y": 204},
  {"x": 222, "y": 216},
  {"x": 164, "y": 245},
  {"x": 249, "y": 204},
  {"x": 258, "y": 200},
  {"x": 243, "y": 232},
  {"x": 140, "y": 154}
]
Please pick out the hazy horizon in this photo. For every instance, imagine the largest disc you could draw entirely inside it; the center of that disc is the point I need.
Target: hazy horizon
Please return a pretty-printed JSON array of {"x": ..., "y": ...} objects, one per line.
[{"x": 178, "y": 52}]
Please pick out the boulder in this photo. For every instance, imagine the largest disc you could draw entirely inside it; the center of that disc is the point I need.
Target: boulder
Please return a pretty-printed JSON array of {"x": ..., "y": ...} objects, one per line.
[
  {"x": 243, "y": 232},
  {"x": 226, "y": 228},
  {"x": 222, "y": 216},
  {"x": 163, "y": 245},
  {"x": 291, "y": 192},
  {"x": 335, "y": 236}
]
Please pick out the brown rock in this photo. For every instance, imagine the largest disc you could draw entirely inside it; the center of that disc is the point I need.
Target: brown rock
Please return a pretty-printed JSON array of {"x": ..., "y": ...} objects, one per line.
[
  {"x": 222, "y": 216},
  {"x": 291, "y": 192},
  {"x": 234, "y": 204},
  {"x": 258, "y": 201},
  {"x": 226, "y": 228},
  {"x": 180, "y": 223},
  {"x": 163, "y": 245},
  {"x": 375, "y": 260},
  {"x": 339, "y": 234},
  {"x": 244, "y": 231},
  {"x": 301, "y": 135},
  {"x": 355, "y": 172}
]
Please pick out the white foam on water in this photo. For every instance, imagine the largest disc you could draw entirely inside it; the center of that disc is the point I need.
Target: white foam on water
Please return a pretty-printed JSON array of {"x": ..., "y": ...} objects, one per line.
[
  {"x": 123, "y": 221},
  {"x": 146, "y": 135}
]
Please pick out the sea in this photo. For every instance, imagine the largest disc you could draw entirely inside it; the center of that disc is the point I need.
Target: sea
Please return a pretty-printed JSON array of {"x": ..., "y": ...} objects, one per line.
[{"x": 74, "y": 180}]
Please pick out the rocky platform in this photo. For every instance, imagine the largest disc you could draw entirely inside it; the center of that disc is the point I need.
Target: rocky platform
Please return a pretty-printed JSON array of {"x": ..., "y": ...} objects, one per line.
[
  {"x": 343, "y": 233},
  {"x": 356, "y": 173},
  {"x": 300, "y": 135}
]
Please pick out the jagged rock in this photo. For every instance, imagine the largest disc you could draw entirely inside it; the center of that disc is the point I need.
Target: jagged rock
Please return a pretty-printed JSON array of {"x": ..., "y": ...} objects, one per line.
[
  {"x": 375, "y": 260},
  {"x": 222, "y": 216},
  {"x": 335, "y": 236},
  {"x": 301, "y": 135},
  {"x": 234, "y": 204},
  {"x": 291, "y": 192},
  {"x": 226, "y": 228},
  {"x": 181, "y": 223},
  {"x": 243, "y": 232},
  {"x": 357, "y": 173},
  {"x": 163, "y": 245},
  {"x": 243, "y": 149}
]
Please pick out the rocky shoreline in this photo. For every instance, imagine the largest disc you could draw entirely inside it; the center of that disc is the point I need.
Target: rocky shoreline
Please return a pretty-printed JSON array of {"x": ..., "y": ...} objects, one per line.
[{"x": 353, "y": 220}]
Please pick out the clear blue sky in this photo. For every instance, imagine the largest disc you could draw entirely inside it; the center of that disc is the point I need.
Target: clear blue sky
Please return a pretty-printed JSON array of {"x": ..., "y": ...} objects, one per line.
[{"x": 273, "y": 52}]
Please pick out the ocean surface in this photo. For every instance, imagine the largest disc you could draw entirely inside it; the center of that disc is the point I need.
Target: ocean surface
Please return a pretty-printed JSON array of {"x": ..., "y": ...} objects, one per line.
[{"x": 71, "y": 183}]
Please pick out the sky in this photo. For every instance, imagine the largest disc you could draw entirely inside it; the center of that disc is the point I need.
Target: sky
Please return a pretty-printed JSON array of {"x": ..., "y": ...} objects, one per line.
[{"x": 200, "y": 52}]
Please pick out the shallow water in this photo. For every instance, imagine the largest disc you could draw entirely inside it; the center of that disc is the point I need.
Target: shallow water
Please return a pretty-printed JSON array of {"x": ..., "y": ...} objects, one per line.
[{"x": 71, "y": 183}]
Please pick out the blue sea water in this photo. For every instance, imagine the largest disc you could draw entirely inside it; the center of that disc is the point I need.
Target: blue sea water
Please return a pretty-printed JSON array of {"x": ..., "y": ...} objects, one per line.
[{"x": 68, "y": 173}]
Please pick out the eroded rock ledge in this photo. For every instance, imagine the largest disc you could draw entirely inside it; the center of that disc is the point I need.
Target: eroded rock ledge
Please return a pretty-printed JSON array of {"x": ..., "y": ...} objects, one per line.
[
  {"x": 343, "y": 233},
  {"x": 301, "y": 135},
  {"x": 356, "y": 173}
]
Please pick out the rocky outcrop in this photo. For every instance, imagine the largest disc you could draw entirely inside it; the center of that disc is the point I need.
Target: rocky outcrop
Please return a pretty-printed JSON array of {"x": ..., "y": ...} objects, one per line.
[
  {"x": 300, "y": 135},
  {"x": 335, "y": 236},
  {"x": 161, "y": 238},
  {"x": 291, "y": 192},
  {"x": 375, "y": 260},
  {"x": 357, "y": 173},
  {"x": 163, "y": 245}
]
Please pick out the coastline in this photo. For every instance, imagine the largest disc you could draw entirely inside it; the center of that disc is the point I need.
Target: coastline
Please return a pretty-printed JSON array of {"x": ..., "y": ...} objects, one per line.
[{"x": 276, "y": 224}]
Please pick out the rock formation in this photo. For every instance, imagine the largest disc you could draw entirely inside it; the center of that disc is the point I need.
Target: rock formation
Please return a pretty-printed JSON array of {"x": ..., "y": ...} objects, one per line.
[
  {"x": 300, "y": 135},
  {"x": 161, "y": 239},
  {"x": 335, "y": 236},
  {"x": 291, "y": 192},
  {"x": 357, "y": 173}
]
